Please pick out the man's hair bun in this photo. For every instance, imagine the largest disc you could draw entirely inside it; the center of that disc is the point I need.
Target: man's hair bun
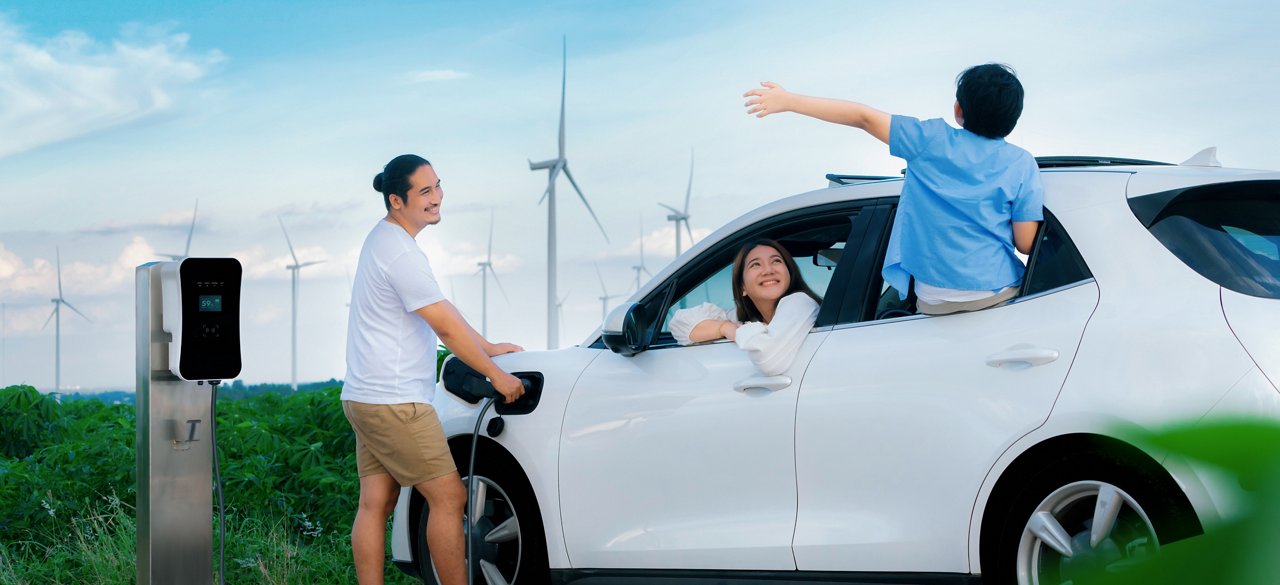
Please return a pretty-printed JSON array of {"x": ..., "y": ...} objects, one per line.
[{"x": 377, "y": 182}]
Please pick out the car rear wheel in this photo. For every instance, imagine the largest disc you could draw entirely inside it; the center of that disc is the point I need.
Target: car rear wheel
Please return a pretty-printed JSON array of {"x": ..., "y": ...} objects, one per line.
[{"x": 1082, "y": 515}]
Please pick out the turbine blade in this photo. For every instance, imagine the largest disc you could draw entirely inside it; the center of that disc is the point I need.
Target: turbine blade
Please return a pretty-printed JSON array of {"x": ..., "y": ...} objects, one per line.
[
  {"x": 70, "y": 306},
  {"x": 584, "y": 202},
  {"x": 689, "y": 191},
  {"x": 287, "y": 240},
  {"x": 564, "y": 74},
  {"x": 673, "y": 210},
  {"x": 311, "y": 263},
  {"x": 55, "y": 311},
  {"x": 500, "y": 289},
  {"x": 187, "y": 251},
  {"x": 58, "y": 251},
  {"x": 688, "y": 229}
]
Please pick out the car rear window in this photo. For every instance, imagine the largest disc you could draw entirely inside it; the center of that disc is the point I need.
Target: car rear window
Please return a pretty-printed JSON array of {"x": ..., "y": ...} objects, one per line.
[{"x": 1229, "y": 233}]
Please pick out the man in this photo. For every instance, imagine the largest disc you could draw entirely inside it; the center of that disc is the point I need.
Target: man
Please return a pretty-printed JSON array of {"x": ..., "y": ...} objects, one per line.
[{"x": 397, "y": 311}]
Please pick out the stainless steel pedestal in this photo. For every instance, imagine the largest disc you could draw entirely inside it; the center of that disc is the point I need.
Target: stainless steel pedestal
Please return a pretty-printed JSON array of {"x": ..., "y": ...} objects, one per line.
[{"x": 174, "y": 456}]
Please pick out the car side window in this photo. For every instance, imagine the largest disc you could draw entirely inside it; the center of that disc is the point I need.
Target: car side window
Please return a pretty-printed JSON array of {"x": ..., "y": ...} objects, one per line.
[
  {"x": 817, "y": 246},
  {"x": 1054, "y": 262}
]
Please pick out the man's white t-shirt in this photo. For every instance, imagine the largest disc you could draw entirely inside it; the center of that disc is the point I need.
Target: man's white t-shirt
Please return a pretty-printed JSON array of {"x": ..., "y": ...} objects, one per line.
[{"x": 391, "y": 351}]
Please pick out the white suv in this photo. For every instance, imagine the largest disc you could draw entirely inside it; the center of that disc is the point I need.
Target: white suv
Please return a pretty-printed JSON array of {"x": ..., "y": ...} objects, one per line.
[{"x": 986, "y": 446}]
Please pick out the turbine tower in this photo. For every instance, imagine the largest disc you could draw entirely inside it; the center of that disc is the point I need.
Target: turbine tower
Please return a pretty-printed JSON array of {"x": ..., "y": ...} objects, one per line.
[
  {"x": 294, "y": 269},
  {"x": 486, "y": 268},
  {"x": 604, "y": 296},
  {"x": 56, "y": 316},
  {"x": 679, "y": 216},
  {"x": 186, "y": 252},
  {"x": 554, "y": 167},
  {"x": 640, "y": 267}
]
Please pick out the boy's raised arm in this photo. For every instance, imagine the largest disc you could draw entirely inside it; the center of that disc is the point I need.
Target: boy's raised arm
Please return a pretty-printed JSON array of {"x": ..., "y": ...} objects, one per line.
[{"x": 773, "y": 99}]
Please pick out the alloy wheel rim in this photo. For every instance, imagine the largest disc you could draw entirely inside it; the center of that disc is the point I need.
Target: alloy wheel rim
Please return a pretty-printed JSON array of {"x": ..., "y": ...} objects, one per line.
[
  {"x": 1080, "y": 529},
  {"x": 495, "y": 527}
]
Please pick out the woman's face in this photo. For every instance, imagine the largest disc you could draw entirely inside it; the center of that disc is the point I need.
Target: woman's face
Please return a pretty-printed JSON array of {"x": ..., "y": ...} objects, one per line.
[{"x": 764, "y": 276}]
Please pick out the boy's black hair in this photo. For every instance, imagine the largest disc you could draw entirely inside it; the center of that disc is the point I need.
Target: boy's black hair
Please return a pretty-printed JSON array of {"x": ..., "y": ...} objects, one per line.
[{"x": 990, "y": 98}]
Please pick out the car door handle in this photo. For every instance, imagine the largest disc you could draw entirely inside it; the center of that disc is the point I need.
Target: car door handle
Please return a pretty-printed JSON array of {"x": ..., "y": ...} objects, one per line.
[
  {"x": 770, "y": 383},
  {"x": 1022, "y": 357}
]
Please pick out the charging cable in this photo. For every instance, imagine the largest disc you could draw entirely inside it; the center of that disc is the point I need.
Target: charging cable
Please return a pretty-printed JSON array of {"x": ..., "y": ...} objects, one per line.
[
  {"x": 217, "y": 474},
  {"x": 491, "y": 394}
]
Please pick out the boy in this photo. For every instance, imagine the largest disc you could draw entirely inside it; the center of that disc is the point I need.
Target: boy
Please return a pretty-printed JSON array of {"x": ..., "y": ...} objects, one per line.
[{"x": 969, "y": 199}]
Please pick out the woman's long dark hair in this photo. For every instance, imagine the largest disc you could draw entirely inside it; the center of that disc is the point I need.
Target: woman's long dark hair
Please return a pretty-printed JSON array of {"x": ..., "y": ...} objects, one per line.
[{"x": 747, "y": 310}]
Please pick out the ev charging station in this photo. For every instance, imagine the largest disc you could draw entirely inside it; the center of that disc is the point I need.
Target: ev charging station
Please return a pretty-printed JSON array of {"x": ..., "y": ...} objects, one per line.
[{"x": 188, "y": 341}]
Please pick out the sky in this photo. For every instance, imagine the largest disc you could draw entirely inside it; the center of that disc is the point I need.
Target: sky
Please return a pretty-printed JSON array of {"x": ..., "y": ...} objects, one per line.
[{"x": 116, "y": 118}]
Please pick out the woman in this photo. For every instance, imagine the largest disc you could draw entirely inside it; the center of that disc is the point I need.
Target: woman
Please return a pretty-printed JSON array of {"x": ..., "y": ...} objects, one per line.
[{"x": 775, "y": 309}]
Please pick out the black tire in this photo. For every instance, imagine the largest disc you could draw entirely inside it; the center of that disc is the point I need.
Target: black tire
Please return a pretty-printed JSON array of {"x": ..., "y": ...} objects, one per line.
[
  {"x": 1151, "y": 512},
  {"x": 508, "y": 496}
]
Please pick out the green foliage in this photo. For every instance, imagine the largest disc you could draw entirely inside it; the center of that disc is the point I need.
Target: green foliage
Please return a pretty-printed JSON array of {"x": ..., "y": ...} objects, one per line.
[
  {"x": 288, "y": 470},
  {"x": 1240, "y": 550}
]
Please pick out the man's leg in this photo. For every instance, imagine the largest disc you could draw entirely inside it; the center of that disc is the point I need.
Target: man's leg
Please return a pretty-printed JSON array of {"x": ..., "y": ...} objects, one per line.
[
  {"x": 378, "y": 495},
  {"x": 446, "y": 498}
]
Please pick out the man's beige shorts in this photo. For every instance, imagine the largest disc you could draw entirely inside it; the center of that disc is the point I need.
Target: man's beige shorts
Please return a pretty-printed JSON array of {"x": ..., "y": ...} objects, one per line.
[{"x": 404, "y": 440}]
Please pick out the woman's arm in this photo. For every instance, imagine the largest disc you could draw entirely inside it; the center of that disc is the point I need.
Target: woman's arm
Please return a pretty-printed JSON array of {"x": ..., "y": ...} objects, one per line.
[
  {"x": 705, "y": 322},
  {"x": 773, "y": 347}
]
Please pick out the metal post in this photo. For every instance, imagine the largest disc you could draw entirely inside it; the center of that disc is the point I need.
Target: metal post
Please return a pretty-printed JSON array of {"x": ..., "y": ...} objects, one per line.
[{"x": 174, "y": 455}]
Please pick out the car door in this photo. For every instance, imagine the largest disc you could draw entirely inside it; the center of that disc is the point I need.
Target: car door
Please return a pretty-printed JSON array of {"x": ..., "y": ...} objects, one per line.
[
  {"x": 899, "y": 419},
  {"x": 683, "y": 457}
]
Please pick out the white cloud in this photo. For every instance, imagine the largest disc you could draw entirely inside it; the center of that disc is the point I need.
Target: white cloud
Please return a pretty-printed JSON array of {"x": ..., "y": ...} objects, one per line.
[
  {"x": 434, "y": 75},
  {"x": 659, "y": 245},
  {"x": 70, "y": 85},
  {"x": 38, "y": 279}
]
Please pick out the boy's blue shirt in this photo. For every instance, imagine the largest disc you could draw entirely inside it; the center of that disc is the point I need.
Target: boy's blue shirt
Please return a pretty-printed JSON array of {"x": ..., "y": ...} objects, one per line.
[{"x": 961, "y": 192}]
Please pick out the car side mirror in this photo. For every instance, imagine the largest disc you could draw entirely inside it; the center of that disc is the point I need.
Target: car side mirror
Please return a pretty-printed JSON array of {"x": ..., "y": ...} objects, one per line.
[{"x": 627, "y": 330}]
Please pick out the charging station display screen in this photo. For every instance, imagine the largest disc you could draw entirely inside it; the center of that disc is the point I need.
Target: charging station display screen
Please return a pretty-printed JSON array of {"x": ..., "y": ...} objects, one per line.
[{"x": 211, "y": 303}]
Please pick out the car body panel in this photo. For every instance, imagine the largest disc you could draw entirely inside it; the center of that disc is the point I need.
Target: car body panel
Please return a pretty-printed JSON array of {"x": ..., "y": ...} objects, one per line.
[
  {"x": 647, "y": 482},
  {"x": 899, "y": 421},
  {"x": 1256, "y": 323}
]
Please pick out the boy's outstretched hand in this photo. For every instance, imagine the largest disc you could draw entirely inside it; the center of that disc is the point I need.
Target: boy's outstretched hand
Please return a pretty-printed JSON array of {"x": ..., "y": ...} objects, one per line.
[{"x": 772, "y": 99}]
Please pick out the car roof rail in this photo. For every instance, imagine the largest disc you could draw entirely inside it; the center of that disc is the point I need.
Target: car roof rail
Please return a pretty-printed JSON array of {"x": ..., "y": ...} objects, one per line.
[
  {"x": 835, "y": 180},
  {"x": 1060, "y": 162}
]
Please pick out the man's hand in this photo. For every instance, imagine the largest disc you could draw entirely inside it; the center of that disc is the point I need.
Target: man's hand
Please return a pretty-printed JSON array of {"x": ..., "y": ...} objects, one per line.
[
  {"x": 509, "y": 386},
  {"x": 770, "y": 100},
  {"x": 501, "y": 348},
  {"x": 729, "y": 330}
]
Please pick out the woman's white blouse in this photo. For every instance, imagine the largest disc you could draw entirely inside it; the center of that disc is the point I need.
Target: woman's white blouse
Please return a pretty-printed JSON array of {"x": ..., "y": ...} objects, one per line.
[{"x": 772, "y": 346}]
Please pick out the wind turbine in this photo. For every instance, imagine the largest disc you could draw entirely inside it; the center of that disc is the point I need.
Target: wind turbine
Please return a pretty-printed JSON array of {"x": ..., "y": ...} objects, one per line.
[
  {"x": 678, "y": 216},
  {"x": 640, "y": 267},
  {"x": 554, "y": 167},
  {"x": 56, "y": 316},
  {"x": 604, "y": 296},
  {"x": 186, "y": 252},
  {"x": 560, "y": 304},
  {"x": 486, "y": 268},
  {"x": 294, "y": 269}
]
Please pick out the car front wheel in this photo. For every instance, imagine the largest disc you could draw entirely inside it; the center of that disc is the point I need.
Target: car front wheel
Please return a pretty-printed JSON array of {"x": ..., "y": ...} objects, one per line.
[{"x": 507, "y": 541}]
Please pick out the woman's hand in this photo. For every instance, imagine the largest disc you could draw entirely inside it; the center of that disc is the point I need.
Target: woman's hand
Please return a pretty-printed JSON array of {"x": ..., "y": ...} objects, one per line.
[{"x": 728, "y": 330}]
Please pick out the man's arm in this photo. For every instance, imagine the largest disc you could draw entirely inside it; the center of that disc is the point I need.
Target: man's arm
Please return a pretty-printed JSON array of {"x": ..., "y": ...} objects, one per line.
[
  {"x": 464, "y": 342},
  {"x": 773, "y": 99}
]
